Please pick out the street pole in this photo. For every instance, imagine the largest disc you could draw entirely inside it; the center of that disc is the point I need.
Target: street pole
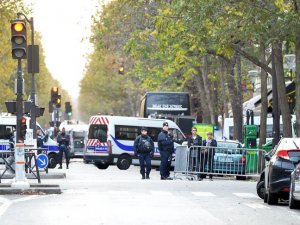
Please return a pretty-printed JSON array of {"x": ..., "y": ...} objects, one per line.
[
  {"x": 275, "y": 105},
  {"x": 20, "y": 181},
  {"x": 33, "y": 103}
]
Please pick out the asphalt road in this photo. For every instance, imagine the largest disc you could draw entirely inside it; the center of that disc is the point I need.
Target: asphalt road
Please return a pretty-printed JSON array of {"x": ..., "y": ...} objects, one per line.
[{"x": 112, "y": 197}]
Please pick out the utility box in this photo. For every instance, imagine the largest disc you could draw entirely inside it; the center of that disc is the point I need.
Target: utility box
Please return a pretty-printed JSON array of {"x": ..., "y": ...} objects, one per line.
[{"x": 250, "y": 135}]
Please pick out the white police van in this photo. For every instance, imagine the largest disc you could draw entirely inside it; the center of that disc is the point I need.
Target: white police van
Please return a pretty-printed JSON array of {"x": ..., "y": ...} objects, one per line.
[
  {"x": 111, "y": 139},
  {"x": 8, "y": 127}
]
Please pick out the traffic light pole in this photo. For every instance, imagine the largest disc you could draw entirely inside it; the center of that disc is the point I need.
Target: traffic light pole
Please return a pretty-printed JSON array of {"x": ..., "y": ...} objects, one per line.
[
  {"x": 32, "y": 95},
  {"x": 19, "y": 92}
]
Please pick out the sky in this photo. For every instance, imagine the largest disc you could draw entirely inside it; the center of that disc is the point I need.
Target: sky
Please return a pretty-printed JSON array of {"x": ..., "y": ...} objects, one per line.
[{"x": 65, "y": 29}]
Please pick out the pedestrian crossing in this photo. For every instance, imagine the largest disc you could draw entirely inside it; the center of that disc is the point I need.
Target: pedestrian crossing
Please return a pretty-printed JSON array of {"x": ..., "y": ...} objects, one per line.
[{"x": 166, "y": 193}]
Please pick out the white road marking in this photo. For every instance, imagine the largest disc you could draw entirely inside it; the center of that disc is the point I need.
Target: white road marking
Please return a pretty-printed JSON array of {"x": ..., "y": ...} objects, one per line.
[
  {"x": 246, "y": 195},
  {"x": 257, "y": 206},
  {"x": 6, "y": 204},
  {"x": 161, "y": 193},
  {"x": 203, "y": 194}
]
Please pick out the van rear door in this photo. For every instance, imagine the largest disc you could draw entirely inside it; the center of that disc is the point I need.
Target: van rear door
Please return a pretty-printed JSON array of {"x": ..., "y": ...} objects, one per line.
[{"x": 97, "y": 139}]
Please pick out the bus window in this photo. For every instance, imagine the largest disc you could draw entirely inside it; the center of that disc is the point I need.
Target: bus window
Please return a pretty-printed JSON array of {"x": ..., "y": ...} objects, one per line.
[{"x": 98, "y": 131}]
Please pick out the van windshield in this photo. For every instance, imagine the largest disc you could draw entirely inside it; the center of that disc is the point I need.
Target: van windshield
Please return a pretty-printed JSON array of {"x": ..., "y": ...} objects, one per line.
[{"x": 98, "y": 131}]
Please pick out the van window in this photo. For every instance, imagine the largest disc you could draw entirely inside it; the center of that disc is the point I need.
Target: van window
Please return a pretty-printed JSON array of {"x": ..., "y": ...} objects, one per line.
[
  {"x": 126, "y": 132},
  {"x": 98, "y": 131},
  {"x": 131, "y": 132},
  {"x": 6, "y": 131},
  {"x": 177, "y": 136}
]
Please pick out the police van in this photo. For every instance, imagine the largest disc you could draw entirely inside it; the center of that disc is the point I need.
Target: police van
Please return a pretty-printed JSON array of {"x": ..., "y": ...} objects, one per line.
[
  {"x": 78, "y": 138},
  {"x": 8, "y": 127},
  {"x": 111, "y": 139}
]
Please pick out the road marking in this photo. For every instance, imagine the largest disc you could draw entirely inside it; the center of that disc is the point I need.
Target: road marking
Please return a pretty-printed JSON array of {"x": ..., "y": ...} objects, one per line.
[
  {"x": 6, "y": 204},
  {"x": 246, "y": 195},
  {"x": 161, "y": 193},
  {"x": 203, "y": 194},
  {"x": 257, "y": 206}
]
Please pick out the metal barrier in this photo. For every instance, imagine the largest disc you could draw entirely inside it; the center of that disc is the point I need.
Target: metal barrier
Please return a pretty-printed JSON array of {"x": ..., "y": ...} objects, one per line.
[
  {"x": 8, "y": 159},
  {"x": 200, "y": 161}
]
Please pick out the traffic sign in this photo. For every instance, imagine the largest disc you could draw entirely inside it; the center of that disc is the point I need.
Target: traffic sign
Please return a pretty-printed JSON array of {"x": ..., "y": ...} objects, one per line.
[{"x": 42, "y": 161}]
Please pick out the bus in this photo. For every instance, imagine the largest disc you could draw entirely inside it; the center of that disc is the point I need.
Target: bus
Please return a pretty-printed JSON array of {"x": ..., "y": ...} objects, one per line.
[
  {"x": 173, "y": 106},
  {"x": 111, "y": 139},
  {"x": 165, "y": 103}
]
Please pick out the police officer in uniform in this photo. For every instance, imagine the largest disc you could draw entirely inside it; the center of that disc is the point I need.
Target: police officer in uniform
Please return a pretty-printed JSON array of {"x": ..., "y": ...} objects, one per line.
[
  {"x": 63, "y": 141},
  {"x": 166, "y": 148},
  {"x": 144, "y": 149}
]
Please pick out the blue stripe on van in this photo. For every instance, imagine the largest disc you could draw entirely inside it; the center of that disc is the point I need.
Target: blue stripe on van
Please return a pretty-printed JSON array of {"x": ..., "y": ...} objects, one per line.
[{"x": 128, "y": 148}]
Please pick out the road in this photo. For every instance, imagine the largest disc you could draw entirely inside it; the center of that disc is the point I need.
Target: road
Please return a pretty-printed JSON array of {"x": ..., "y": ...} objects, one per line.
[{"x": 110, "y": 197}]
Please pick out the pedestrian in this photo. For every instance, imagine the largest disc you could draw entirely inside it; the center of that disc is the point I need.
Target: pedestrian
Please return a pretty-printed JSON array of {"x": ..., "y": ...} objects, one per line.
[
  {"x": 194, "y": 143},
  {"x": 209, "y": 153},
  {"x": 166, "y": 148},
  {"x": 63, "y": 141},
  {"x": 144, "y": 149}
]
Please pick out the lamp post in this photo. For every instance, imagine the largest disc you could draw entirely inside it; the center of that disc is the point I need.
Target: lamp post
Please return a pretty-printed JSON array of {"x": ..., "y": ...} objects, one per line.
[{"x": 32, "y": 95}]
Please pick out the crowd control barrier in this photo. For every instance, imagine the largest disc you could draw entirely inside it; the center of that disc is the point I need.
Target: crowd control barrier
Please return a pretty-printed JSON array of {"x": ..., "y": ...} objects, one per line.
[{"x": 197, "y": 162}]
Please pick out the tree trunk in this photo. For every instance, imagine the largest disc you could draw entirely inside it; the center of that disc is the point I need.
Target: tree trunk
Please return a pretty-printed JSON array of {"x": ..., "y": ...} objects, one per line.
[
  {"x": 206, "y": 89},
  {"x": 297, "y": 110},
  {"x": 200, "y": 88},
  {"x": 237, "y": 107},
  {"x": 264, "y": 101},
  {"x": 282, "y": 98}
]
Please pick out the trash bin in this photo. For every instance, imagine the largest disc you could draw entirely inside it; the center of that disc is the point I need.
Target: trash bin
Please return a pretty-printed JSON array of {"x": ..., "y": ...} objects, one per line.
[{"x": 251, "y": 159}]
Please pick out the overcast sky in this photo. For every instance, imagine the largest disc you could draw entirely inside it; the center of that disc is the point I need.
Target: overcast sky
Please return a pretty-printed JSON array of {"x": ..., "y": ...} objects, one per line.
[{"x": 65, "y": 28}]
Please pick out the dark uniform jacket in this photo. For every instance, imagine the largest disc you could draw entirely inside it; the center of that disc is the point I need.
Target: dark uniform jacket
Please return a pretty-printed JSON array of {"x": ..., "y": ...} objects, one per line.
[
  {"x": 195, "y": 142},
  {"x": 165, "y": 142},
  {"x": 63, "y": 139},
  {"x": 138, "y": 142}
]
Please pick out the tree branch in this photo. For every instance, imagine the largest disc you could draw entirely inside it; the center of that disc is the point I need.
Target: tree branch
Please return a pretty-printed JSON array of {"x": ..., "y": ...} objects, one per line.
[{"x": 252, "y": 58}]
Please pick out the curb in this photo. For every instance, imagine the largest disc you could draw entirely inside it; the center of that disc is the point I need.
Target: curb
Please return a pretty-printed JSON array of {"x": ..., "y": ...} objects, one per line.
[
  {"x": 35, "y": 189},
  {"x": 42, "y": 175}
]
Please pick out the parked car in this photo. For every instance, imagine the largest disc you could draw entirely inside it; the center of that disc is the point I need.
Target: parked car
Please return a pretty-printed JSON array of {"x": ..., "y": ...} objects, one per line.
[
  {"x": 230, "y": 158},
  {"x": 294, "y": 196},
  {"x": 282, "y": 160}
]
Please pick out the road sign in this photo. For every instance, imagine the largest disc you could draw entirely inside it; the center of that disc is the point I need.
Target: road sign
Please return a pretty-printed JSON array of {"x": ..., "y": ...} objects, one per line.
[{"x": 42, "y": 161}]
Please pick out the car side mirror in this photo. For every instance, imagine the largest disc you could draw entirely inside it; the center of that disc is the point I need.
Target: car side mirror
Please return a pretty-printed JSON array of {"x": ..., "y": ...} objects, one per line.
[{"x": 267, "y": 157}]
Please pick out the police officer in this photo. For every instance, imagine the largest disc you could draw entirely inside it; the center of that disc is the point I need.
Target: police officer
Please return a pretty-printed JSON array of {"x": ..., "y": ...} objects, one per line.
[
  {"x": 144, "y": 149},
  {"x": 166, "y": 148},
  {"x": 63, "y": 141}
]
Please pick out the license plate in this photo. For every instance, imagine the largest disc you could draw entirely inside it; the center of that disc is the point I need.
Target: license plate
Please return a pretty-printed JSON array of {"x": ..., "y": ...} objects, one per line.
[
  {"x": 226, "y": 159},
  {"x": 90, "y": 150}
]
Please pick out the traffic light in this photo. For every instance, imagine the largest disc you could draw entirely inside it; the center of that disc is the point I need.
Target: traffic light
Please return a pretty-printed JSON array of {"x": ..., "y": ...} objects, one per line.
[
  {"x": 54, "y": 94},
  {"x": 68, "y": 108},
  {"x": 58, "y": 101},
  {"x": 23, "y": 128},
  {"x": 18, "y": 39}
]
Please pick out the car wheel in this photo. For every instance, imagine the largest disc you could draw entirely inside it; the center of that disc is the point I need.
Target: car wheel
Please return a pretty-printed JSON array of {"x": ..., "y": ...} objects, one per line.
[
  {"x": 53, "y": 160},
  {"x": 241, "y": 177},
  {"x": 102, "y": 166},
  {"x": 260, "y": 189},
  {"x": 265, "y": 197},
  {"x": 272, "y": 199},
  {"x": 293, "y": 204},
  {"x": 124, "y": 162}
]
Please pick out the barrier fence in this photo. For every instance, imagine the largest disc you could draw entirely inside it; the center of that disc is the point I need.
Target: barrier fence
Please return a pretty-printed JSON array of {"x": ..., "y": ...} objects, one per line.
[{"x": 197, "y": 162}]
